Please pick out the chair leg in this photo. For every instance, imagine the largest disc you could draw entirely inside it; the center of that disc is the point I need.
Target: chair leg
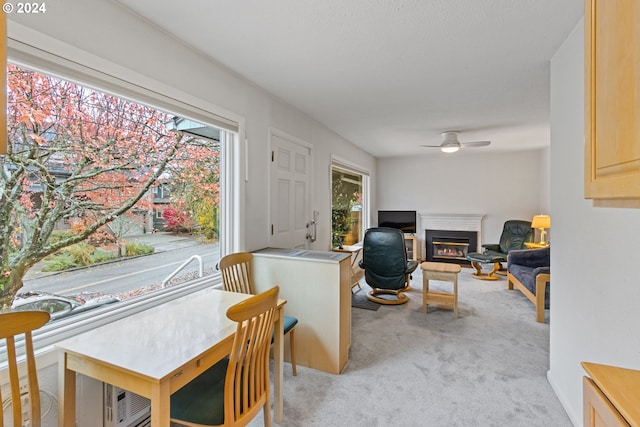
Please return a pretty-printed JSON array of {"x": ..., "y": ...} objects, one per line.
[
  {"x": 266, "y": 412},
  {"x": 292, "y": 349},
  {"x": 502, "y": 270},
  {"x": 479, "y": 274},
  {"x": 541, "y": 287},
  {"x": 407, "y": 283},
  {"x": 354, "y": 285}
]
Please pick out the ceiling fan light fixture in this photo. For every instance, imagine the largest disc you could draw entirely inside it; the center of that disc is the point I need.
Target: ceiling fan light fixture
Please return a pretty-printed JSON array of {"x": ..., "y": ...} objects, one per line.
[
  {"x": 450, "y": 143},
  {"x": 449, "y": 148}
]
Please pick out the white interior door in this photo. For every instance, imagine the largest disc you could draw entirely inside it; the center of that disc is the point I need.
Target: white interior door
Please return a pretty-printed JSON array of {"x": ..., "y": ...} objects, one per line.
[{"x": 290, "y": 199}]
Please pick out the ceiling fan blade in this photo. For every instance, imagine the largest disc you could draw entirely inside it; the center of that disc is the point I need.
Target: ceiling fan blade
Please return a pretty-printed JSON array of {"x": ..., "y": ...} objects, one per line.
[
  {"x": 450, "y": 143},
  {"x": 475, "y": 143}
]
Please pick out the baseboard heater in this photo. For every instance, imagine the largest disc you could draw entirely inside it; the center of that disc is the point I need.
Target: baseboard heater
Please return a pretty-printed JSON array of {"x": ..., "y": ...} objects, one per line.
[{"x": 125, "y": 409}]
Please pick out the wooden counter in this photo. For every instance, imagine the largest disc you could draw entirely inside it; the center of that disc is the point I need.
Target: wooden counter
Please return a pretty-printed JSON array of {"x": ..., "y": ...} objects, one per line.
[
  {"x": 611, "y": 396},
  {"x": 317, "y": 287}
]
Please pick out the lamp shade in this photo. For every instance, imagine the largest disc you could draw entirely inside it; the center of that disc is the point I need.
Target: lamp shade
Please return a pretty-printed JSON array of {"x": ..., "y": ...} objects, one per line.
[{"x": 541, "y": 221}]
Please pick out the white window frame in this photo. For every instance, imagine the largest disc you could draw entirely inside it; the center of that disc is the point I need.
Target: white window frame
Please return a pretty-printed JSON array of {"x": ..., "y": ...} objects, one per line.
[{"x": 31, "y": 57}]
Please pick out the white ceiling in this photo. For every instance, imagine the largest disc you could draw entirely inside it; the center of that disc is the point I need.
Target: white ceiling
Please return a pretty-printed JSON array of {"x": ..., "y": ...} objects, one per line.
[{"x": 389, "y": 75}]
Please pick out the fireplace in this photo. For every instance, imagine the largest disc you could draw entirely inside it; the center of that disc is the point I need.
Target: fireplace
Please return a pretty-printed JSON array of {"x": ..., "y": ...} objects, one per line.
[{"x": 450, "y": 245}]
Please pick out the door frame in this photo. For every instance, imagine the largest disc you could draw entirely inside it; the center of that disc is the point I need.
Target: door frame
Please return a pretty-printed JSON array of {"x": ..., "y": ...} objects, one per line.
[{"x": 273, "y": 131}]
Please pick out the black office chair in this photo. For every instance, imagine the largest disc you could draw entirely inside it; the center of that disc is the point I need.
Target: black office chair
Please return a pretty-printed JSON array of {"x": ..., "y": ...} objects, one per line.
[{"x": 385, "y": 265}]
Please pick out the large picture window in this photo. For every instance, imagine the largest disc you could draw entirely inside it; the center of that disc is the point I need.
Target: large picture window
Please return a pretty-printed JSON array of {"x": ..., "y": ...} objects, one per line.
[{"x": 104, "y": 197}]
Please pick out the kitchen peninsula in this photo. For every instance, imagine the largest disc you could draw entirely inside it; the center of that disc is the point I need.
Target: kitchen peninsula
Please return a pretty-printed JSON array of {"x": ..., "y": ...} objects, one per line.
[{"x": 317, "y": 287}]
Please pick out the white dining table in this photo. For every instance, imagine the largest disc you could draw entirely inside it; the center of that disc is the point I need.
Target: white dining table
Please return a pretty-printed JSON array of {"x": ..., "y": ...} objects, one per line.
[{"x": 157, "y": 351}]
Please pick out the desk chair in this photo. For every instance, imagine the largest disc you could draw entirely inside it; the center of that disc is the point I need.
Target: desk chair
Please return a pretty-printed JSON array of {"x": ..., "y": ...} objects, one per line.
[
  {"x": 12, "y": 324},
  {"x": 232, "y": 391},
  {"x": 385, "y": 264},
  {"x": 236, "y": 277}
]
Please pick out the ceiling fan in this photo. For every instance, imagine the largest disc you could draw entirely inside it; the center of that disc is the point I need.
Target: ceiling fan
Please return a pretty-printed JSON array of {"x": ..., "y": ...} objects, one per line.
[{"x": 450, "y": 143}]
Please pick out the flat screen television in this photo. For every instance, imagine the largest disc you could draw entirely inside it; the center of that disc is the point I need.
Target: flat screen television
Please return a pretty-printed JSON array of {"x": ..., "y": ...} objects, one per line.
[{"x": 402, "y": 220}]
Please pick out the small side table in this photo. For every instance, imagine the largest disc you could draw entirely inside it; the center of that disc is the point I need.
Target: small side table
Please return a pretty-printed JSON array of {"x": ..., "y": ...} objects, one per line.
[
  {"x": 356, "y": 272},
  {"x": 412, "y": 247},
  {"x": 446, "y": 272}
]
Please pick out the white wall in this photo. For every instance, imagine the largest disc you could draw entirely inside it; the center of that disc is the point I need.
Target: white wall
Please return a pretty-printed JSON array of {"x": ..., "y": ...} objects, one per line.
[
  {"x": 595, "y": 291},
  {"x": 502, "y": 186},
  {"x": 101, "y": 35},
  {"x": 545, "y": 180}
]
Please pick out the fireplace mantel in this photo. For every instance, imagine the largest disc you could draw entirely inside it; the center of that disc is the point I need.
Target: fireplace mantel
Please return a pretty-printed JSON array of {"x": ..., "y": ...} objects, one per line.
[{"x": 453, "y": 221}]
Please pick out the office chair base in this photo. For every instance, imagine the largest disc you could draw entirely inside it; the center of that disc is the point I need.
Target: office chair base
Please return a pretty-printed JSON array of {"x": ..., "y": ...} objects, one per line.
[{"x": 400, "y": 297}]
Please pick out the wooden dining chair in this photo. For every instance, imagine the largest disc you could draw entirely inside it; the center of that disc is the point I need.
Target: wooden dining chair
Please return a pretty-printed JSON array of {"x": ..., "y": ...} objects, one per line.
[
  {"x": 232, "y": 392},
  {"x": 236, "y": 277},
  {"x": 11, "y": 325}
]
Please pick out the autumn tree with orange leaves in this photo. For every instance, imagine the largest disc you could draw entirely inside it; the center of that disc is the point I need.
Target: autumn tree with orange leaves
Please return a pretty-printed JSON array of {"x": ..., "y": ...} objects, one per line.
[
  {"x": 196, "y": 190},
  {"x": 79, "y": 155}
]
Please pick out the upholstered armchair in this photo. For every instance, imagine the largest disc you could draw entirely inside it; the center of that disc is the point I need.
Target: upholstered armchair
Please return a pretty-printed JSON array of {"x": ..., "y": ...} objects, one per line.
[
  {"x": 530, "y": 271},
  {"x": 515, "y": 233},
  {"x": 385, "y": 264}
]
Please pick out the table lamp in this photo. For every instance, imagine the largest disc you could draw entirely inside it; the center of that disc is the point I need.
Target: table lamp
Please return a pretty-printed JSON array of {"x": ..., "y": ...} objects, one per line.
[{"x": 541, "y": 222}]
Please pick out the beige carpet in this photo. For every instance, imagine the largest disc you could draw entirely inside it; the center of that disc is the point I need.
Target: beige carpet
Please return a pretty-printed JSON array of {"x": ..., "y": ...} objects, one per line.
[{"x": 487, "y": 368}]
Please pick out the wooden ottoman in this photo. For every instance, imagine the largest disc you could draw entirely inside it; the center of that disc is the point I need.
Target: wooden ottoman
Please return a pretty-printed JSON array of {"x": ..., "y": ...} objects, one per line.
[{"x": 445, "y": 272}]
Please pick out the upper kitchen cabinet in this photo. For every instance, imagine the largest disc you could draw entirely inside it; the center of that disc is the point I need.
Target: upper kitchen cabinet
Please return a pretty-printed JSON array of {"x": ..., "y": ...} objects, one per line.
[{"x": 612, "y": 102}]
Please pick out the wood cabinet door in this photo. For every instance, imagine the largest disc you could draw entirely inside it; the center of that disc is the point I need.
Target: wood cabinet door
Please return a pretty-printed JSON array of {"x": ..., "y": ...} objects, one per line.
[
  {"x": 612, "y": 100},
  {"x": 598, "y": 411}
]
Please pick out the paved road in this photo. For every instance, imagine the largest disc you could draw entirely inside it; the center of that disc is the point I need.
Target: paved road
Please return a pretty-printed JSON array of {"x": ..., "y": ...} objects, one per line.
[{"x": 131, "y": 276}]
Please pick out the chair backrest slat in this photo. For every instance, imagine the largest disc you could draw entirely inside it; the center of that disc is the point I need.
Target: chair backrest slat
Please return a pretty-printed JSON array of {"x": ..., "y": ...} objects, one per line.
[{"x": 12, "y": 324}]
